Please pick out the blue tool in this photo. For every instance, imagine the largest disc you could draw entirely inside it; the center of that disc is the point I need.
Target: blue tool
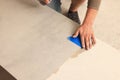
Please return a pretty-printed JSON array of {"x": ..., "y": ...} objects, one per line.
[{"x": 76, "y": 40}]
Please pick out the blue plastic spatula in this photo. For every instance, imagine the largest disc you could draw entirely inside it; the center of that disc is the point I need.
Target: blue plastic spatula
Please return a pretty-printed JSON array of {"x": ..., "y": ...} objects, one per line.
[{"x": 76, "y": 40}]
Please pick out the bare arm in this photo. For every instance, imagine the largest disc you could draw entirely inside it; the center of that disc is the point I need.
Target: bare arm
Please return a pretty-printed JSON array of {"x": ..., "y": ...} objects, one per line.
[{"x": 86, "y": 30}]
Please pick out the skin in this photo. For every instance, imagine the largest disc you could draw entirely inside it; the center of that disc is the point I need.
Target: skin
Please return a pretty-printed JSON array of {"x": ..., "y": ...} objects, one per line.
[
  {"x": 47, "y": 1},
  {"x": 86, "y": 29}
]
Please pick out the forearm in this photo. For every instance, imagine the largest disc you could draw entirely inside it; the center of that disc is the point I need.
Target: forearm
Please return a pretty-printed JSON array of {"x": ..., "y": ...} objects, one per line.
[
  {"x": 93, "y": 7},
  {"x": 90, "y": 16},
  {"x": 85, "y": 30}
]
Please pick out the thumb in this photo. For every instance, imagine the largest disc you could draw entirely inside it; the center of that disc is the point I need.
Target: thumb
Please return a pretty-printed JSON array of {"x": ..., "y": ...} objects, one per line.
[{"x": 75, "y": 34}]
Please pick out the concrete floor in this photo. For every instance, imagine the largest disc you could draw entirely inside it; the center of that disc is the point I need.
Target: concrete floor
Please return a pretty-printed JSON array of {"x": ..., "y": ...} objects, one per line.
[
  {"x": 21, "y": 38},
  {"x": 31, "y": 48},
  {"x": 107, "y": 21}
]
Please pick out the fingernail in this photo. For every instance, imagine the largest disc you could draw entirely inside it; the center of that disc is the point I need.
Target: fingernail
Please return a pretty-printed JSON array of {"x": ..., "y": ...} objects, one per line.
[
  {"x": 83, "y": 46},
  {"x": 74, "y": 36}
]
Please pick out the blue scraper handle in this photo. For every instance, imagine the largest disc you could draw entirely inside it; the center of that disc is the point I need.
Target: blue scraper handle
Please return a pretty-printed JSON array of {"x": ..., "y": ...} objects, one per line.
[{"x": 76, "y": 40}]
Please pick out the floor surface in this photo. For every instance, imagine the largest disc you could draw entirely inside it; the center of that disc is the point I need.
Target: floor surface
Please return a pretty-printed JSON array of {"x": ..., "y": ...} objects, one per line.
[
  {"x": 27, "y": 41},
  {"x": 99, "y": 63}
]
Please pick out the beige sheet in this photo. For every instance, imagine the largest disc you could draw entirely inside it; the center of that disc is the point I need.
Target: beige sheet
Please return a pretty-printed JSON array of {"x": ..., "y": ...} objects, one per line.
[
  {"x": 100, "y": 63},
  {"x": 33, "y": 41}
]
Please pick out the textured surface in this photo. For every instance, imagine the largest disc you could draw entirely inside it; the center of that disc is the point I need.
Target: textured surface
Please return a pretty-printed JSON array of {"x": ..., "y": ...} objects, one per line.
[
  {"x": 33, "y": 39},
  {"x": 99, "y": 63}
]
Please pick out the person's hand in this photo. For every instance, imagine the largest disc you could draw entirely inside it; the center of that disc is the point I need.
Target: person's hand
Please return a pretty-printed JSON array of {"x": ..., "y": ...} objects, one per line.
[
  {"x": 46, "y": 1},
  {"x": 86, "y": 35}
]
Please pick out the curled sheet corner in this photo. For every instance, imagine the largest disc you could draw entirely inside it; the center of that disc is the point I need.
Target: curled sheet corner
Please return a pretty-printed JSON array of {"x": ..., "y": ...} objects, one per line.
[{"x": 5, "y": 75}]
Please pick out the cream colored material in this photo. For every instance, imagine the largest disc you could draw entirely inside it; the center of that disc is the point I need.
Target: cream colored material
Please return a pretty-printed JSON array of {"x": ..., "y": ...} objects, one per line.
[
  {"x": 33, "y": 40},
  {"x": 99, "y": 63}
]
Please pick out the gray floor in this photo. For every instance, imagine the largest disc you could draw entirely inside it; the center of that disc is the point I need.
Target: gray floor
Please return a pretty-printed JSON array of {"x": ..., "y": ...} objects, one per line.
[
  {"x": 25, "y": 38},
  {"x": 31, "y": 45}
]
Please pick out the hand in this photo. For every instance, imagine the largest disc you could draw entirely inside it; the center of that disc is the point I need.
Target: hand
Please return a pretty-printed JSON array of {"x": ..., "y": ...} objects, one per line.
[
  {"x": 86, "y": 35},
  {"x": 46, "y": 1}
]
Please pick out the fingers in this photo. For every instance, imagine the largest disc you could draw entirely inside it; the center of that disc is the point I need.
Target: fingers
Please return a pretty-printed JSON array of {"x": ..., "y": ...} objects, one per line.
[
  {"x": 76, "y": 34},
  {"x": 83, "y": 41},
  {"x": 89, "y": 41},
  {"x": 87, "y": 38},
  {"x": 93, "y": 40}
]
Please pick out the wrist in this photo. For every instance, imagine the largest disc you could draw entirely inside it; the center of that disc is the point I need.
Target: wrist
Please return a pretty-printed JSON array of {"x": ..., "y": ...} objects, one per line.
[
  {"x": 87, "y": 24},
  {"x": 90, "y": 17}
]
